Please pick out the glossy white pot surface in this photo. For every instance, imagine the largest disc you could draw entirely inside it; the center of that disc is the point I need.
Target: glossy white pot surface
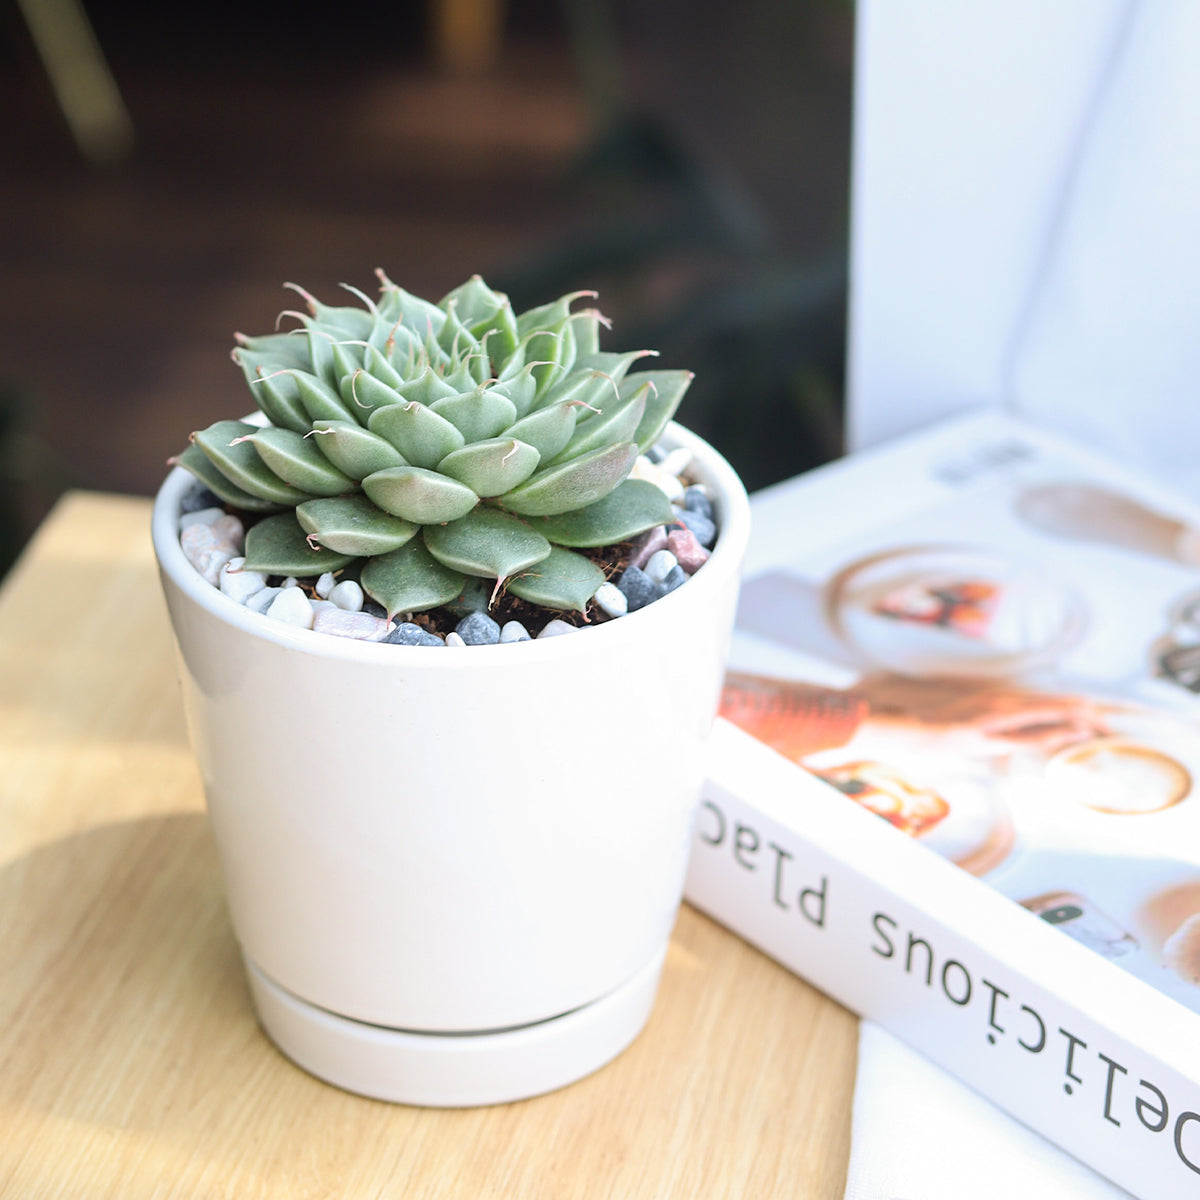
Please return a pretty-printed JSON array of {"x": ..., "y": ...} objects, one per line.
[{"x": 458, "y": 839}]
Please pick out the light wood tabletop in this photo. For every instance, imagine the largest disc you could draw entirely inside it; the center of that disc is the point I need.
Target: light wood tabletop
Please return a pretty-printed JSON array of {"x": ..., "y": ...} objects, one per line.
[{"x": 131, "y": 1065}]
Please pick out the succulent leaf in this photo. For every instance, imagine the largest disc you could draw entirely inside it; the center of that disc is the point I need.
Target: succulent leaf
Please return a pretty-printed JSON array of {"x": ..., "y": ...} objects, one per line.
[
  {"x": 295, "y": 460},
  {"x": 410, "y": 579},
  {"x": 240, "y": 463},
  {"x": 548, "y": 430},
  {"x": 355, "y": 451},
  {"x": 353, "y": 525},
  {"x": 479, "y": 414},
  {"x": 486, "y": 542},
  {"x": 368, "y": 393},
  {"x": 562, "y": 580},
  {"x": 631, "y": 508},
  {"x": 616, "y": 422},
  {"x": 320, "y": 399},
  {"x": 278, "y": 546},
  {"x": 417, "y": 432},
  {"x": 669, "y": 387},
  {"x": 193, "y": 459},
  {"x": 493, "y": 467},
  {"x": 574, "y": 484},
  {"x": 418, "y": 495},
  {"x": 279, "y": 399}
]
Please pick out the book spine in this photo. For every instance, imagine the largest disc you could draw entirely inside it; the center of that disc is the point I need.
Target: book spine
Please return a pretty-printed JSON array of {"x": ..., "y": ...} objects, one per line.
[{"x": 1038, "y": 1055}]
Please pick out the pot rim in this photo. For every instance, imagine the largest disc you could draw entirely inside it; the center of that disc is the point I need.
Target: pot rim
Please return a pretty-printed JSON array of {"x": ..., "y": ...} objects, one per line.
[{"x": 733, "y": 510}]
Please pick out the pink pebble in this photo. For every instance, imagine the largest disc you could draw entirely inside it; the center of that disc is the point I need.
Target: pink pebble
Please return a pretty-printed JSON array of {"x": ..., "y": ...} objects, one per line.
[
  {"x": 683, "y": 544},
  {"x": 656, "y": 540},
  {"x": 206, "y": 550}
]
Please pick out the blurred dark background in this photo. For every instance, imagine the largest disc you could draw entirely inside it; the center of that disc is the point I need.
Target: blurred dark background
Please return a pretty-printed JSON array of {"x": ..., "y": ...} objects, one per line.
[{"x": 689, "y": 159}]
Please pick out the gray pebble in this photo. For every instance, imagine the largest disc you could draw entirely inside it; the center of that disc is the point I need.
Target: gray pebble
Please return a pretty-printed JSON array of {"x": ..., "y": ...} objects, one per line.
[
  {"x": 196, "y": 498},
  {"x": 638, "y": 587},
  {"x": 704, "y": 528},
  {"x": 408, "y": 634},
  {"x": 675, "y": 577},
  {"x": 696, "y": 500},
  {"x": 655, "y": 454},
  {"x": 478, "y": 629},
  {"x": 374, "y": 608}
]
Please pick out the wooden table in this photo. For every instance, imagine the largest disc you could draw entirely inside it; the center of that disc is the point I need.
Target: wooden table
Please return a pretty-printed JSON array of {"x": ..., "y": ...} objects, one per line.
[{"x": 131, "y": 1065}]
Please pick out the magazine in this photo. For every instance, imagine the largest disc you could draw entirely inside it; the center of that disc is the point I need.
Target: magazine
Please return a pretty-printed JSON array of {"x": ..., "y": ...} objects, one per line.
[{"x": 981, "y": 648}]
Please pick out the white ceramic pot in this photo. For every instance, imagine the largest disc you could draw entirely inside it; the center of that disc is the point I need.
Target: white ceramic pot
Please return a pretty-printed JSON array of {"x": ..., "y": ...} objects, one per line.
[{"x": 453, "y": 873}]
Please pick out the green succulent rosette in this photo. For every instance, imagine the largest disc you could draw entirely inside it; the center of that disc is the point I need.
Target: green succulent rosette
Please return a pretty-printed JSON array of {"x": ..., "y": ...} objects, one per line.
[{"x": 431, "y": 446}]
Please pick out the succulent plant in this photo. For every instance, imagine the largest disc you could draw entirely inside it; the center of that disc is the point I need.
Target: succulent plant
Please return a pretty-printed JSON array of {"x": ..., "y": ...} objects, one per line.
[{"x": 442, "y": 445}]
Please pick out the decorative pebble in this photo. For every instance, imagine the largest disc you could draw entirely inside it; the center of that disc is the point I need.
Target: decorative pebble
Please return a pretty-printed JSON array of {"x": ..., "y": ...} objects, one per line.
[
  {"x": 687, "y": 549},
  {"x": 655, "y": 455},
  {"x": 231, "y": 529},
  {"x": 478, "y": 629},
  {"x": 639, "y": 589},
  {"x": 660, "y": 566},
  {"x": 290, "y": 581},
  {"x": 514, "y": 631},
  {"x": 359, "y": 625},
  {"x": 695, "y": 499},
  {"x": 677, "y": 461},
  {"x": 704, "y": 529},
  {"x": 675, "y": 577},
  {"x": 656, "y": 540},
  {"x": 347, "y": 595},
  {"x": 408, "y": 634},
  {"x": 452, "y": 639},
  {"x": 202, "y": 516},
  {"x": 374, "y": 608},
  {"x": 556, "y": 628},
  {"x": 240, "y": 585},
  {"x": 319, "y": 605},
  {"x": 206, "y": 550},
  {"x": 198, "y": 498},
  {"x": 611, "y": 600},
  {"x": 261, "y": 601},
  {"x": 324, "y": 585},
  {"x": 292, "y": 607},
  {"x": 643, "y": 468}
]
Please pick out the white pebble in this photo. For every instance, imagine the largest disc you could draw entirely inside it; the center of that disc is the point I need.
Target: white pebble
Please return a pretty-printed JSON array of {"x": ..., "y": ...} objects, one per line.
[
  {"x": 240, "y": 585},
  {"x": 660, "y": 565},
  {"x": 556, "y": 628},
  {"x": 290, "y": 582},
  {"x": 261, "y": 601},
  {"x": 643, "y": 468},
  {"x": 202, "y": 516},
  {"x": 359, "y": 625},
  {"x": 514, "y": 631},
  {"x": 453, "y": 639},
  {"x": 347, "y": 595},
  {"x": 322, "y": 606},
  {"x": 611, "y": 600},
  {"x": 292, "y": 607},
  {"x": 677, "y": 461},
  {"x": 325, "y": 584}
]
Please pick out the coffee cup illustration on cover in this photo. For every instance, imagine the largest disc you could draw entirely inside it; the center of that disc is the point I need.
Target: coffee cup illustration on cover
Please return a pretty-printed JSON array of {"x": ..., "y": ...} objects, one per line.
[{"x": 953, "y": 611}]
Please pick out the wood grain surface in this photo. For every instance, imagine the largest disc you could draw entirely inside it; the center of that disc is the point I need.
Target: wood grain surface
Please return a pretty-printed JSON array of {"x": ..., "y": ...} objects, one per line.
[{"x": 131, "y": 1065}]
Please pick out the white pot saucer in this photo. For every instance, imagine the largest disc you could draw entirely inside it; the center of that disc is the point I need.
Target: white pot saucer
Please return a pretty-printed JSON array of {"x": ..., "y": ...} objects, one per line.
[{"x": 453, "y": 1070}]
